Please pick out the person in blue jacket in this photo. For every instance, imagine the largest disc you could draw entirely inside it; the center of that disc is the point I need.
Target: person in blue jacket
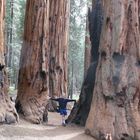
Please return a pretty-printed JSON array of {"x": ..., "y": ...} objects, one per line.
[{"x": 63, "y": 107}]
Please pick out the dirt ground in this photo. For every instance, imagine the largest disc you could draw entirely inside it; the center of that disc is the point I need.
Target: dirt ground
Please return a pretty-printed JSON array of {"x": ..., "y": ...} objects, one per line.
[{"x": 51, "y": 131}]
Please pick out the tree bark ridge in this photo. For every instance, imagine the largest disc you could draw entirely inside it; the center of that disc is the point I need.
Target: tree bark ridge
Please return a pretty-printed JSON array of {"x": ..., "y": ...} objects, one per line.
[
  {"x": 8, "y": 113},
  {"x": 115, "y": 102},
  {"x": 33, "y": 83}
]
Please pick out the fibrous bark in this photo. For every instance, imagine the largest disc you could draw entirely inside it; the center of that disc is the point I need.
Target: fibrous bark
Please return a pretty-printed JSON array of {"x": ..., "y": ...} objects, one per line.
[
  {"x": 44, "y": 69},
  {"x": 8, "y": 113},
  {"x": 116, "y": 98},
  {"x": 87, "y": 59},
  {"x": 80, "y": 111},
  {"x": 33, "y": 83},
  {"x": 58, "y": 43}
]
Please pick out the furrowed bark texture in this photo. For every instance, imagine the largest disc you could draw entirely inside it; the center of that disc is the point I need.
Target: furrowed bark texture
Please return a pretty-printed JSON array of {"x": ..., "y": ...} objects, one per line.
[
  {"x": 116, "y": 98},
  {"x": 8, "y": 113},
  {"x": 43, "y": 67},
  {"x": 58, "y": 45},
  {"x": 80, "y": 111},
  {"x": 33, "y": 83},
  {"x": 58, "y": 42}
]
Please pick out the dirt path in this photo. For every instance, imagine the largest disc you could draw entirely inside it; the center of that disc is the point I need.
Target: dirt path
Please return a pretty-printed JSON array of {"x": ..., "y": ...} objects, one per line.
[{"x": 51, "y": 131}]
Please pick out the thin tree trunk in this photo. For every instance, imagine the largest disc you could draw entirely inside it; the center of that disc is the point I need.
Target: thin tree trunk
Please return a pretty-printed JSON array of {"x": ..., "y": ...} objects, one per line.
[
  {"x": 72, "y": 82},
  {"x": 8, "y": 113},
  {"x": 87, "y": 58},
  {"x": 6, "y": 36},
  {"x": 11, "y": 33},
  {"x": 116, "y": 98},
  {"x": 33, "y": 83}
]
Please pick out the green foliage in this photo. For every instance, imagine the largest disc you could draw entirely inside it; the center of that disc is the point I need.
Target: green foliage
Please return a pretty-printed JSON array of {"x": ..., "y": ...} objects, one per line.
[
  {"x": 17, "y": 24},
  {"x": 78, "y": 11}
]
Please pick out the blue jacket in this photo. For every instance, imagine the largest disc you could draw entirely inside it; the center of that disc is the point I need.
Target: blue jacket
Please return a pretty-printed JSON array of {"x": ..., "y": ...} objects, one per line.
[{"x": 63, "y": 102}]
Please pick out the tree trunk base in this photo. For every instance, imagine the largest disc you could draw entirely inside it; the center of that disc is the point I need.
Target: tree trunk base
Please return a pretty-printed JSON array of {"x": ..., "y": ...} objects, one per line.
[
  {"x": 52, "y": 106},
  {"x": 81, "y": 109},
  {"x": 32, "y": 108},
  {"x": 8, "y": 113}
]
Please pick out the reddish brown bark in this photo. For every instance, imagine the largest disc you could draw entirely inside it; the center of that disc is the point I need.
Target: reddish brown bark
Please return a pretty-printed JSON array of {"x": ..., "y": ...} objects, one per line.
[
  {"x": 58, "y": 43},
  {"x": 116, "y": 97},
  {"x": 33, "y": 83},
  {"x": 87, "y": 59},
  {"x": 8, "y": 113},
  {"x": 43, "y": 64}
]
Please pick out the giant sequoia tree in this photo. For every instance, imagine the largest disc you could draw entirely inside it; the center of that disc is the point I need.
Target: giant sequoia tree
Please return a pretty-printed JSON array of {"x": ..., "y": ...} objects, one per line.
[
  {"x": 58, "y": 42},
  {"x": 58, "y": 48},
  {"x": 115, "y": 107},
  {"x": 80, "y": 111},
  {"x": 33, "y": 74},
  {"x": 43, "y": 64},
  {"x": 7, "y": 111}
]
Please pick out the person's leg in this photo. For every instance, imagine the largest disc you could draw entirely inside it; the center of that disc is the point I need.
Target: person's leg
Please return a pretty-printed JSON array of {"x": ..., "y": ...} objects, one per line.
[
  {"x": 63, "y": 119},
  {"x": 63, "y": 113}
]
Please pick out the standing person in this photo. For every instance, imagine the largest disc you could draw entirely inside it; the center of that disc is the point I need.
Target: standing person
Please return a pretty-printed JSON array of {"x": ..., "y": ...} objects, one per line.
[{"x": 62, "y": 107}]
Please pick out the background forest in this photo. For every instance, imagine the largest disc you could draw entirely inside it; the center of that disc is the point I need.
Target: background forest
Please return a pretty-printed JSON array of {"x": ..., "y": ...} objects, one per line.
[
  {"x": 15, "y": 12},
  {"x": 109, "y": 101}
]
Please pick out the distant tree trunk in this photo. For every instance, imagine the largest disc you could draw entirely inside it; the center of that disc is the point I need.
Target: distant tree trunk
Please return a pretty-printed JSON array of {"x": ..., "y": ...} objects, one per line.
[
  {"x": 8, "y": 113},
  {"x": 80, "y": 111},
  {"x": 115, "y": 107},
  {"x": 58, "y": 43},
  {"x": 33, "y": 83},
  {"x": 6, "y": 45},
  {"x": 11, "y": 33},
  {"x": 87, "y": 58},
  {"x": 71, "y": 79}
]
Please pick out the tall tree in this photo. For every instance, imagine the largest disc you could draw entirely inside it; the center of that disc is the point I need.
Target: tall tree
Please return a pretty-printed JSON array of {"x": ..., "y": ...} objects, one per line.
[
  {"x": 80, "y": 111},
  {"x": 87, "y": 58},
  {"x": 116, "y": 98},
  {"x": 44, "y": 71},
  {"x": 11, "y": 33},
  {"x": 76, "y": 45},
  {"x": 58, "y": 44},
  {"x": 33, "y": 74},
  {"x": 15, "y": 10},
  {"x": 8, "y": 113}
]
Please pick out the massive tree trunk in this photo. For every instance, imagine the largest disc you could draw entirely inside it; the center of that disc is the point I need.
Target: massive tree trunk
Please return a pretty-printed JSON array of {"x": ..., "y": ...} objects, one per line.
[
  {"x": 44, "y": 68},
  {"x": 80, "y": 111},
  {"x": 116, "y": 98},
  {"x": 33, "y": 74},
  {"x": 8, "y": 113},
  {"x": 58, "y": 43}
]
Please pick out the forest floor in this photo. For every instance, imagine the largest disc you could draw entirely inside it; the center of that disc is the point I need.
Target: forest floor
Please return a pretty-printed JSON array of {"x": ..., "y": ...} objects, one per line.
[{"x": 51, "y": 131}]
